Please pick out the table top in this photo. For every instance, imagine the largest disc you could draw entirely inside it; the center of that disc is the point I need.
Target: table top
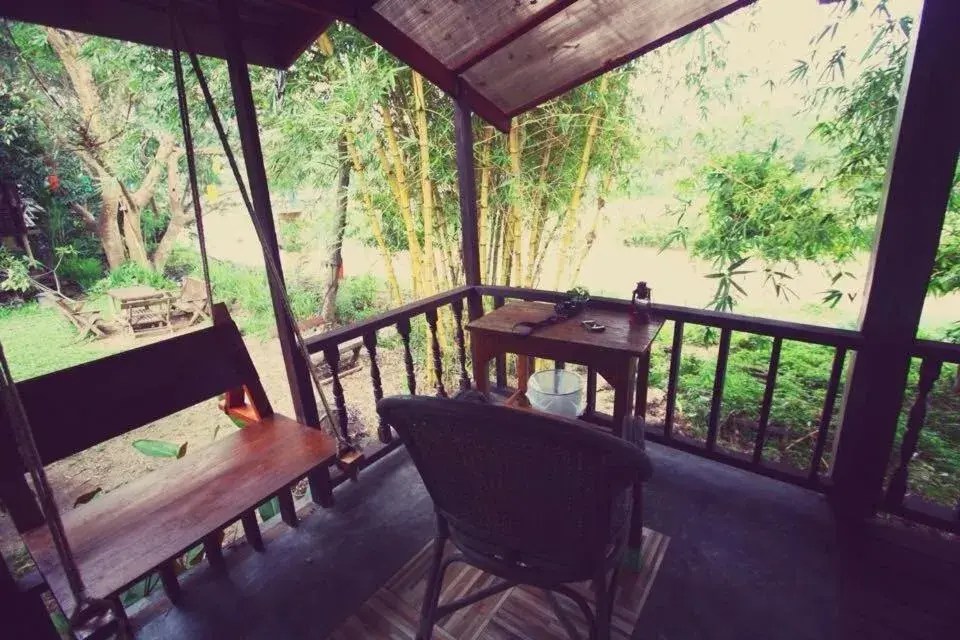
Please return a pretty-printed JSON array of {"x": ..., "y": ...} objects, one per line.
[
  {"x": 621, "y": 335},
  {"x": 135, "y": 293}
]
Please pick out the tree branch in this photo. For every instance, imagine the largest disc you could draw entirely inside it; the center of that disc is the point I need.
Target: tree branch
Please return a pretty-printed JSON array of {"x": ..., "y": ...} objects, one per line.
[
  {"x": 86, "y": 217},
  {"x": 166, "y": 149}
]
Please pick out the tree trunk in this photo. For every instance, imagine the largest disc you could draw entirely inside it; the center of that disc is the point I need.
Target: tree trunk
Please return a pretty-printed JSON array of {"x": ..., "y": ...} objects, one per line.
[
  {"x": 335, "y": 262},
  {"x": 179, "y": 216},
  {"x": 431, "y": 272},
  {"x": 570, "y": 220},
  {"x": 511, "y": 238},
  {"x": 373, "y": 215}
]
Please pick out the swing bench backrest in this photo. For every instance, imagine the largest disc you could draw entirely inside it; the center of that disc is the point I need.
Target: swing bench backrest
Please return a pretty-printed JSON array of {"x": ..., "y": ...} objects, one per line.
[{"x": 76, "y": 408}]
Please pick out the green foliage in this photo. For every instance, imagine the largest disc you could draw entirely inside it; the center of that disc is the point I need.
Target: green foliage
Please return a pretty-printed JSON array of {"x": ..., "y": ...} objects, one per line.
[
  {"x": 132, "y": 274},
  {"x": 37, "y": 340},
  {"x": 15, "y": 271},
  {"x": 759, "y": 209},
  {"x": 85, "y": 272},
  {"x": 358, "y": 298}
]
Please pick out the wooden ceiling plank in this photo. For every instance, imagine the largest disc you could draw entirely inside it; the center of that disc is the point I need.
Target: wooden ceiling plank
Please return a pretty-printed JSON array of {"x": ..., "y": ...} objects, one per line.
[
  {"x": 513, "y": 34},
  {"x": 610, "y": 65}
]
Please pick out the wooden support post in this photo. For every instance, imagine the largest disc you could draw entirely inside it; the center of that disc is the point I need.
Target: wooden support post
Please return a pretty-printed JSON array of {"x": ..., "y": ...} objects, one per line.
[
  {"x": 304, "y": 403},
  {"x": 466, "y": 176},
  {"x": 251, "y": 530},
  {"x": 213, "y": 548},
  {"x": 288, "y": 510},
  {"x": 168, "y": 578},
  {"x": 919, "y": 181}
]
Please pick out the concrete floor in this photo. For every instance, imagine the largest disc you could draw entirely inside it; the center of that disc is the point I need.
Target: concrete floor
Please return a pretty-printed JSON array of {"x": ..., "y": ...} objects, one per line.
[{"x": 749, "y": 557}]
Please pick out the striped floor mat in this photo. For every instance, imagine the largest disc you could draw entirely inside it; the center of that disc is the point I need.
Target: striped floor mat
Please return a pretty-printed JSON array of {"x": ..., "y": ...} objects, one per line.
[{"x": 520, "y": 613}]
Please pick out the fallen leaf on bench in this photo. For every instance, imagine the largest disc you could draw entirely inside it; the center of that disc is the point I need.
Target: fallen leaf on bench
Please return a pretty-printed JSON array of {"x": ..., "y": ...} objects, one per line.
[
  {"x": 160, "y": 449},
  {"x": 84, "y": 498}
]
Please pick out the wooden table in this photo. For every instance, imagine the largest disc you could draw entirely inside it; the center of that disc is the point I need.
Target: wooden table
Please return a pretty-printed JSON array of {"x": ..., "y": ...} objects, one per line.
[
  {"x": 617, "y": 354},
  {"x": 141, "y": 308}
]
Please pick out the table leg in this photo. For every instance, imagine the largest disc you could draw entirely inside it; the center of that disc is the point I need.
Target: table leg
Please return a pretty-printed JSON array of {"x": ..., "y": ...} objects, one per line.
[
  {"x": 480, "y": 359},
  {"x": 624, "y": 426},
  {"x": 623, "y": 396},
  {"x": 643, "y": 381}
]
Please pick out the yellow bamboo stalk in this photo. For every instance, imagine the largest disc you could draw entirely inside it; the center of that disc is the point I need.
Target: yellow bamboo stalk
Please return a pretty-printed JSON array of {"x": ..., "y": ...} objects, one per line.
[
  {"x": 373, "y": 215},
  {"x": 539, "y": 210},
  {"x": 591, "y": 238},
  {"x": 570, "y": 222},
  {"x": 483, "y": 207},
  {"x": 511, "y": 236},
  {"x": 426, "y": 187},
  {"x": 396, "y": 174}
]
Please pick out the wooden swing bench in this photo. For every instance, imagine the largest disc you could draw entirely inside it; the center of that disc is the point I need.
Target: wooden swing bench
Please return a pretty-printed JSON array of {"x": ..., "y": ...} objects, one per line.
[{"x": 143, "y": 526}]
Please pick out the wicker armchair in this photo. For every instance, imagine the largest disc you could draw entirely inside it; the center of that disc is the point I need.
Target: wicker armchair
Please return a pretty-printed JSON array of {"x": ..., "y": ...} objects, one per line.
[{"x": 529, "y": 498}]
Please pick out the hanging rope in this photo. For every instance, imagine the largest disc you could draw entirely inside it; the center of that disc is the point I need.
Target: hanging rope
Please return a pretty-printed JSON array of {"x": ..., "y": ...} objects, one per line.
[
  {"x": 86, "y": 608},
  {"x": 192, "y": 172},
  {"x": 270, "y": 260}
]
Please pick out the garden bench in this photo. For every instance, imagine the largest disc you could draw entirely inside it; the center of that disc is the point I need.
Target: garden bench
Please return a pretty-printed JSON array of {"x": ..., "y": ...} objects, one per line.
[
  {"x": 349, "y": 359},
  {"x": 129, "y": 532},
  {"x": 85, "y": 322}
]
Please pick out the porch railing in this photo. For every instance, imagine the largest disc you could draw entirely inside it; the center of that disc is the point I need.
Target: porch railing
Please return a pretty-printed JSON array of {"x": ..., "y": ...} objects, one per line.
[
  {"x": 367, "y": 330},
  {"x": 663, "y": 431},
  {"x": 932, "y": 357},
  {"x": 812, "y": 474}
]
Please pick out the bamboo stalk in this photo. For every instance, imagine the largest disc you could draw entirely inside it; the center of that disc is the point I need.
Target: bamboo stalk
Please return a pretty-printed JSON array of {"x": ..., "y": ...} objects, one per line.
[
  {"x": 539, "y": 207},
  {"x": 426, "y": 187},
  {"x": 570, "y": 222},
  {"x": 396, "y": 175},
  {"x": 591, "y": 238},
  {"x": 483, "y": 208},
  {"x": 511, "y": 249},
  {"x": 376, "y": 225}
]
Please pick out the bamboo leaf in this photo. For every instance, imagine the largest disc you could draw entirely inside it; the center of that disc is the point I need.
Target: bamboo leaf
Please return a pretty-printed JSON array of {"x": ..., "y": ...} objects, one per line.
[{"x": 160, "y": 449}]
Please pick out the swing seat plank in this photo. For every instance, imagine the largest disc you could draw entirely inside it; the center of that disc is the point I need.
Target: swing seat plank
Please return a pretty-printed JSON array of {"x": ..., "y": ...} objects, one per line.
[
  {"x": 123, "y": 535},
  {"x": 129, "y": 532}
]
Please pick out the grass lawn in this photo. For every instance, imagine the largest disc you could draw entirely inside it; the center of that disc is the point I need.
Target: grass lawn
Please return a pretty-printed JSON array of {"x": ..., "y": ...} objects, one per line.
[{"x": 38, "y": 340}]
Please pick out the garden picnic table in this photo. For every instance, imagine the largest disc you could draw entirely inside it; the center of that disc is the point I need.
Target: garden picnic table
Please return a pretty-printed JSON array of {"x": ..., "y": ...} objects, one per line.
[{"x": 141, "y": 309}]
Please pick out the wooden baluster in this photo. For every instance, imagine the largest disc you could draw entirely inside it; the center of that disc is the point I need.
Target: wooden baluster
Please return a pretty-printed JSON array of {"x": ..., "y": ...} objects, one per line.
[
  {"x": 591, "y": 407},
  {"x": 929, "y": 373},
  {"x": 431, "y": 316},
  {"x": 457, "y": 306},
  {"x": 673, "y": 379},
  {"x": 501, "y": 360},
  {"x": 332, "y": 356},
  {"x": 717, "y": 398},
  {"x": 370, "y": 342},
  {"x": 831, "y": 398},
  {"x": 772, "y": 371},
  {"x": 403, "y": 328}
]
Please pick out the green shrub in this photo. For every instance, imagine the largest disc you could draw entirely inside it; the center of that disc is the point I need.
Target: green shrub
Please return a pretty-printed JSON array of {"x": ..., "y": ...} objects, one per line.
[
  {"x": 357, "y": 298},
  {"x": 85, "y": 272},
  {"x": 132, "y": 274}
]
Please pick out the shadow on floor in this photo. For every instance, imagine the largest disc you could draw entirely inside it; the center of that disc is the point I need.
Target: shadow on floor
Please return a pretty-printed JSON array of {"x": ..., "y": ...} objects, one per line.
[{"x": 749, "y": 557}]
